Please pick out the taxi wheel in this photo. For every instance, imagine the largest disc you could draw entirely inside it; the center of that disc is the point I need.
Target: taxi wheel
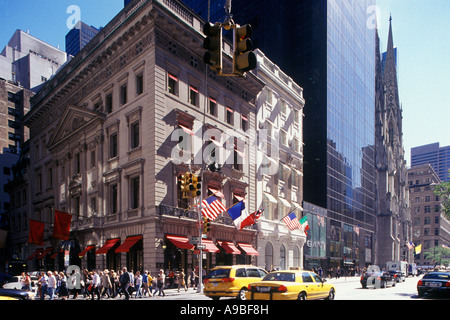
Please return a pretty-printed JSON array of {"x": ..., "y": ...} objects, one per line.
[
  {"x": 302, "y": 296},
  {"x": 241, "y": 294},
  {"x": 331, "y": 295}
]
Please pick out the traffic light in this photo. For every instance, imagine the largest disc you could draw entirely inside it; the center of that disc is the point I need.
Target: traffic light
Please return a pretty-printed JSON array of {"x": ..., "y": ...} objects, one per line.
[
  {"x": 243, "y": 59},
  {"x": 213, "y": 43},
  {"x": 206, "y": 225},
  {"x": 195, "y": 186},
  {"x": 183, "y": 185}
]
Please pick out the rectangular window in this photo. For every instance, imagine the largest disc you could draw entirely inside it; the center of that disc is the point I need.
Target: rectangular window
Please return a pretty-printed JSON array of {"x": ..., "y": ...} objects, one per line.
[
  {"x": 134, "y": 135},
  {"x": 109, "y": 103},
  {"x": 139, "y": 84},
  {"x": 193, "y": 96},
  {"x": 77, "y": 164},
  {"x": 134, "y": 193},
  {"x": 172, "y": 84},
  {"x": 229, "y": 115},
  {"x": 113, "y": 199},
  {"x": 244, "y": 123},
  {"x": 93, "y": 205},
  {"x": 92, "y": 158},
  {"x": 123, "y": 94},
  {"x": 212, "y": 107},
  {"x": 113, "y": 145},
  {"x": 283, "y": 137}
]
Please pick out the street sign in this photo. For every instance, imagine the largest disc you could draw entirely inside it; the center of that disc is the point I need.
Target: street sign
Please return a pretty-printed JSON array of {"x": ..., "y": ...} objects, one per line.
[
  {"x": 194, "y": 240},
  {"x": 201, "y": 246}
]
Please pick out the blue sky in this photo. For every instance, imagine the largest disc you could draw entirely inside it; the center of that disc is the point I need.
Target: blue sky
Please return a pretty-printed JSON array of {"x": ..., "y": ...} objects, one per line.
[{"x": 421, "y": 33}]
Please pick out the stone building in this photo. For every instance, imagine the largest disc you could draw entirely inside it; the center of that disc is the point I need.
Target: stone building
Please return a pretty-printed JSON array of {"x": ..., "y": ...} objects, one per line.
[
  {"x": 279, "y": 182},
  {"x": 105, "y": 146},
  {"x": 394, "y": 227},
  {"x": 431, "y": 229}
]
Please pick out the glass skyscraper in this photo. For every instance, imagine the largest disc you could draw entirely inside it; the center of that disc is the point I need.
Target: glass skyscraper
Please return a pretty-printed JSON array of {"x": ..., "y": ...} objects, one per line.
[
  {"x": 328, "y": 48},
  {"x": 438, "y": 157},
  {"x": 78, "y": 37}
]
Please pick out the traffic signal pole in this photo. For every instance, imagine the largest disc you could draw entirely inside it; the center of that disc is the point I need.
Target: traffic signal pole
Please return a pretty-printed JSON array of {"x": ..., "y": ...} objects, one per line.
[{"x": 199, "y": 246}]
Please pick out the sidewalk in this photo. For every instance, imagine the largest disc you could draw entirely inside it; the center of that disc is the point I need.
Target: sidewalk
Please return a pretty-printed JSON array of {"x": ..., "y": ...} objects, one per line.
[{"x": 343, "y": 279}]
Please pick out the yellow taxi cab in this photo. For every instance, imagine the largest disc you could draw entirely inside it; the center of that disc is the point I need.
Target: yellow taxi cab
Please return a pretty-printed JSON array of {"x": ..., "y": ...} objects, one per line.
[
  {"x": 291, "y": 285},
  {"x": 231, "y": 281}
]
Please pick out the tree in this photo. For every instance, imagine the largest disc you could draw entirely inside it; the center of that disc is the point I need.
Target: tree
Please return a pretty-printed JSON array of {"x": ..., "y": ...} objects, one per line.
[
  {"x": 439, "y": 255},
  {"x": 443, "y": 191}
]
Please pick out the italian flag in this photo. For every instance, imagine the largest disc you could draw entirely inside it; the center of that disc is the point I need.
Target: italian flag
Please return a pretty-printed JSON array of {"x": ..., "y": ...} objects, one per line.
[{"x": 304, "y": 224}]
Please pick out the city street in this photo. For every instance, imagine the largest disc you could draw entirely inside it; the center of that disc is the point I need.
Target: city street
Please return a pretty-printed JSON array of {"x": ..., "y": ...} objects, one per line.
[{"x": 348, "y": 288}]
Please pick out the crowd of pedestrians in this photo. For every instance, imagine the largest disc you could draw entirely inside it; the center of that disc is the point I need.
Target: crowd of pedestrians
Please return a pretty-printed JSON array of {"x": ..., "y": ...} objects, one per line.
[{"x": 108, "y": 284}]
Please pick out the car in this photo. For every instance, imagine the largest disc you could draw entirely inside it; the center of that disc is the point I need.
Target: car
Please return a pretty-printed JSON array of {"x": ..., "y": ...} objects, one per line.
[
  {"x": 379, "y": 279},
  {"x": 291, "y": 285},
  {"x": 434, "y": 281},
  {"x": 398, "y": 275},
  {"x": 15, "y": 283},
  {"x": 16, "y": 294},
  {"x": 231, "y": 281}
]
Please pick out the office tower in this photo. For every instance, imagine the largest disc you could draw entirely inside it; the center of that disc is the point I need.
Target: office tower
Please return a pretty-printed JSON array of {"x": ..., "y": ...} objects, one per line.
[
  {"x": 328, "y": 48},
  {"x": 431, "y": 228},
  {"x": 78, "y": 37},
  {"x": 438, "y": 157},
  {"x": 28, "y": 61}
]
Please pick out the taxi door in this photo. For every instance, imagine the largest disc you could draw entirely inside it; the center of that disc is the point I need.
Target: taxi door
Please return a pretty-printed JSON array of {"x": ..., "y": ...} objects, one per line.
[
  {"x": 310, "y": 285},
  {"x": 321, "y": 290}
]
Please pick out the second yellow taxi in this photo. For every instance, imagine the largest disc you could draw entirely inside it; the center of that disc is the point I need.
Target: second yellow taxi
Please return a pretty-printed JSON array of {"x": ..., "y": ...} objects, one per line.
[{"x": 291, "y": 285}]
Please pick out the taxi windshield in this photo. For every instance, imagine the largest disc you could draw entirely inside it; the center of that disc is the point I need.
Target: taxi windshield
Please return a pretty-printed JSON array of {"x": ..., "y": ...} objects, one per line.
[
  {"x": 219, "y": 274},
  {"x": 280, "y": 276}
]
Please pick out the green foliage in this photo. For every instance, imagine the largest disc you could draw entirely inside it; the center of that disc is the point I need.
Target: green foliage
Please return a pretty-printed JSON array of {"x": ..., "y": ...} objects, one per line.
[
  {"x": 443, "y": 191},
  {"x": 438, "y": 255}
]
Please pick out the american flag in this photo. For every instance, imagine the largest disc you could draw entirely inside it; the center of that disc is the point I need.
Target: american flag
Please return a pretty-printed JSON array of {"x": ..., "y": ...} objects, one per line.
[
  {"x": 292, "y": 221},
  {"x": 410, "y": 245},
  {"x": 212, "y": 207}
]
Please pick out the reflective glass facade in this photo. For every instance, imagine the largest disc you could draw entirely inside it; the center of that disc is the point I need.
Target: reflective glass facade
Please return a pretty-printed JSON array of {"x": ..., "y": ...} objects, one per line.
[{"x": 350, "y": 112}]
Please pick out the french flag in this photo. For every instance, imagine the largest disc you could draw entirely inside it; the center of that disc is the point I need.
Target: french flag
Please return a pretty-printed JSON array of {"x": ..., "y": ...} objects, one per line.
[{"x": 241, "y": 217}]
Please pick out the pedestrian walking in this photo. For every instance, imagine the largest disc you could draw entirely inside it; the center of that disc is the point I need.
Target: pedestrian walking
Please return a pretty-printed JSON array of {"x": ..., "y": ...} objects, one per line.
[
  {"x": 161, "y": 278},
  {"x": 106, "y": 284},
  {"x": 51, "y": 284},
  {"x": 138, "y": 284},
  {"x": 154, "y": 284},
  {"x": 124, "y": 282},
  {"x": 43, "y": 284},
  {"x": 181, "y": 280},
  {"x": 26, "y": 281},
  {"x": 145, "y": 283},
  {"x": 63, "y": 292},
  {"x": 95, "y": 285}
]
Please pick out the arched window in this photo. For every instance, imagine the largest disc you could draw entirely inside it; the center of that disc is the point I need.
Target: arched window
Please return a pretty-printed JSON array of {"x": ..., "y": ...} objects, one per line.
[
  {"x": 296, "y": 256},
  {"x": 283, "y": 257},
  {"x": 269, "y": 256}
]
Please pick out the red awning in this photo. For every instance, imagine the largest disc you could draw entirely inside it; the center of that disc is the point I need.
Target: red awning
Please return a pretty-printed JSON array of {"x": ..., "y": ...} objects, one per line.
[
  {"x": 108, "y": 245},
  {"x": 88, "y": 248},
  {"x": 210, "y": 246},
  {"x": 34, "y": 254},
  {"x": 229, "y": 247},
  {"x": 180, "y": 241},
  {"x": 248, "y": 249},
  {"x": 129, "y": 242},
  {"x": 44, "y": 253}
]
